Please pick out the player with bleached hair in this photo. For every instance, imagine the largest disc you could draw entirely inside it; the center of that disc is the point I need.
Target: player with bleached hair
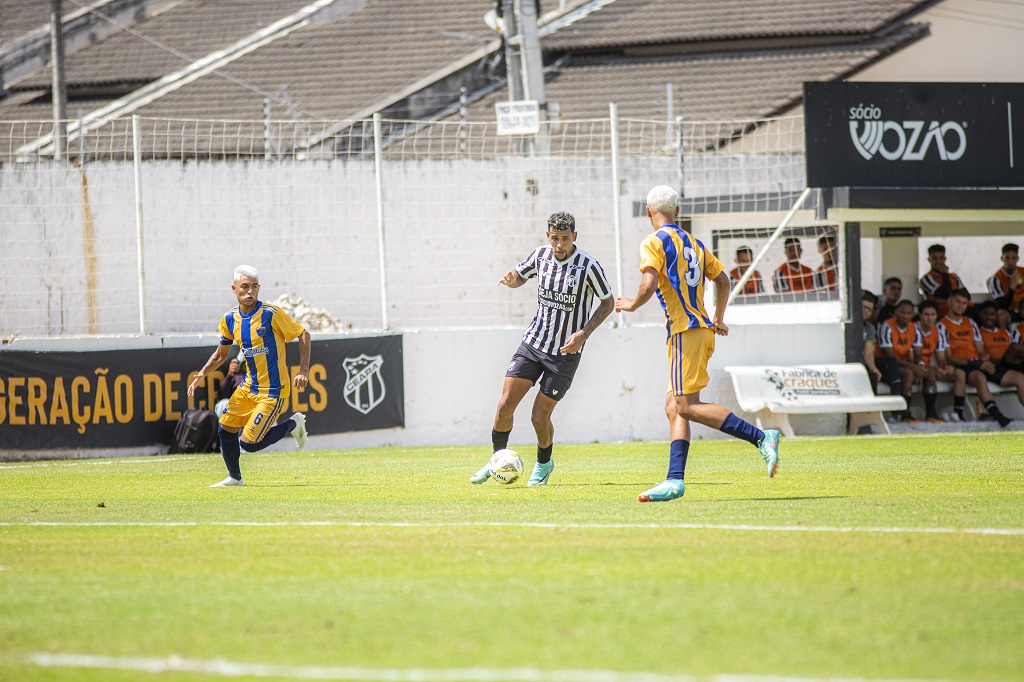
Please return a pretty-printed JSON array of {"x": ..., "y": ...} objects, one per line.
[
  {"x": 674, "y": 266},
  {"x": 568, "y": 280},
  {"x": 261, "y": 331}
]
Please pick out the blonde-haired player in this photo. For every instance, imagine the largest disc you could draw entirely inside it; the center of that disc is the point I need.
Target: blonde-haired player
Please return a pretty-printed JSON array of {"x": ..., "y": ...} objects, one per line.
[
  {"x": 261, "y": 331},
  {"x": 674, "y": 265}
]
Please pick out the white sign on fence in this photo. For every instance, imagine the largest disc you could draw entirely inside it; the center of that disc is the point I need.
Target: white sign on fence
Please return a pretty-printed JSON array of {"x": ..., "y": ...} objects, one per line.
[{"x": 518, "y": 118}]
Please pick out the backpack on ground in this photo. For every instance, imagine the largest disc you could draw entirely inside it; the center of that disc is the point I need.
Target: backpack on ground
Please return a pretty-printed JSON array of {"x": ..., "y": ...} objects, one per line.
[{"x": 196, "y": 431}]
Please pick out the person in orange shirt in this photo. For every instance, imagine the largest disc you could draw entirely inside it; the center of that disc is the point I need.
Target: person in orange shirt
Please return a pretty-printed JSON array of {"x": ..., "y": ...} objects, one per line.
[
  {"x": 939, "y": 283},
  {"x": 825, "y": 275},
  {"x": 744, "y": 255},
  {"x": 1006, "y": 286},
  {"x": 930, "y": 353},
  {"x": 1003, "y": 347},
  {"x": 966, "y": 352},
  {"x": 791, "y": 275},
  {"x": 896, "y": 338}
]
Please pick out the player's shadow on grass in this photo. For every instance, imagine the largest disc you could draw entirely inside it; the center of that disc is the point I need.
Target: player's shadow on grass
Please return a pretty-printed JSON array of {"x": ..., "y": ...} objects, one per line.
[
  {"x": 293, "y": 485},
  {"x": 781, "y": 499},
  {"x": 628, "y": 485}
]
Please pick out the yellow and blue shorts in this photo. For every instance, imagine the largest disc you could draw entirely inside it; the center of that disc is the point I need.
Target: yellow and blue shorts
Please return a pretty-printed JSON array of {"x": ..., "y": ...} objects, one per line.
[
  {"x": 253, "y": 413},
  {"x": 688, "y": 355}
]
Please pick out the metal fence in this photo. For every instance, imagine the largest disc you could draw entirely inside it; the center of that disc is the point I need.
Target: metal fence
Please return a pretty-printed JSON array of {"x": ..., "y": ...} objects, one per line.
[{"x": 363, "y": 225}]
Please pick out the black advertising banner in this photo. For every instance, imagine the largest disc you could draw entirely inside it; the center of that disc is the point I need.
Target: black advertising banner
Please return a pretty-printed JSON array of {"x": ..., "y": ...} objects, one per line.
[
  {"x": 914, "y": 134},
  {"x": 130, "y": 398}
]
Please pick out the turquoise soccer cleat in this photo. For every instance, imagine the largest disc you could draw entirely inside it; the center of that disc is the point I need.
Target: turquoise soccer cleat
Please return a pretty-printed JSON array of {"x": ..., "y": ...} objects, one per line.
[
  {"x": 481, "y": 476},
  {"x": 541, "y": 472},
  {"x": 769, "y": 448},
  {"x": 663, "y": 492}
]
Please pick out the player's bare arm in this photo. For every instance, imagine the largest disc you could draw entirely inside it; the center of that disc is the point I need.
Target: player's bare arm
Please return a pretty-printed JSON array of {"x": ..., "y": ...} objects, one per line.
[
  {"x": 721, "y": 301},
  {"x": 301, "y": 379},
  {"x": 216, "y": 360},
  {"x": 869, "y": 359},
  {"x": 512, "y": 279},
  {"x": 575, "y": 342},
  {"x": 648, "y": 285}
]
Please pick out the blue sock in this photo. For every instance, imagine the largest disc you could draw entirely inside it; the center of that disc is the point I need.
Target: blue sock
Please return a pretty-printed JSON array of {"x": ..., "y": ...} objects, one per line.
[
  {"x": 737, "y": 428},
  {"x": 229, "y": 451},
  {"x": 276, "y": 433},
  {"x": 677, "y": 452}
]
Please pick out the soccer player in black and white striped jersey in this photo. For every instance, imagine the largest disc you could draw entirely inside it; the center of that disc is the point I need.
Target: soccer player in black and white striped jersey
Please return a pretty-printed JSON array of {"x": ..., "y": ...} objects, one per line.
[{"x": 568, "y": 281}]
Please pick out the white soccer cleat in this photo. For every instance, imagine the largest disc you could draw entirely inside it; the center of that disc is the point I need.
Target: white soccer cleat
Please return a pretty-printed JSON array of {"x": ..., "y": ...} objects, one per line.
[
  {"x": 228, "y": 483},
  {"x": 299, "y": 432}
]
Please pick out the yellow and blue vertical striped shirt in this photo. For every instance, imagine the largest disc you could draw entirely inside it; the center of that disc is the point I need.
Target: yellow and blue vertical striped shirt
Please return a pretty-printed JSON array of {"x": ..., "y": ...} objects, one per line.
[
  {"x": 682, "y": 263},
  {"x": 262, "y": 336}
]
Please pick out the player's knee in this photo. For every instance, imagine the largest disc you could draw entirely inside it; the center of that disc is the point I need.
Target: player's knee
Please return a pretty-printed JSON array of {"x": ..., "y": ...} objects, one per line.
[
  {"x": 540, "y": 419},
  {"x": 247, "y": 446},
  {"x": 684, "y": 410},
  {"x": 505, "y": 409}
]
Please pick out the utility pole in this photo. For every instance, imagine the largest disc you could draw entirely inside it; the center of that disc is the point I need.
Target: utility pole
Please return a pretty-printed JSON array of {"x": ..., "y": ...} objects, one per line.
[
  {"x": 513, "y": 65},
  {"x": 532, "y": 65},
  {"x": 60, "y": 131}
]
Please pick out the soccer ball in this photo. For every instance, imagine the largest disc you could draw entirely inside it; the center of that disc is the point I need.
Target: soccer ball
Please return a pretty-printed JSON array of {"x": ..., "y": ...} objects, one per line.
[{"x": 505, "y": 466}]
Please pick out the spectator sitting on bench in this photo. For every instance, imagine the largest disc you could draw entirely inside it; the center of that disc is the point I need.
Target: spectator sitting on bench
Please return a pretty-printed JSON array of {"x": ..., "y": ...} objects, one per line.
[
  {"x": 744, "y": 256},
  {"x": 896, "y": 337},
  {"x": 892, "y": 292},
  {"x": 966, "y": 352},
  {"x": 792, "y": 275},
  {"x": 1018, "y": 327},
  {"x": 825, "y": 275},
  {"x": 1006, "y": 286},
  {"x": 930, "y": 352},
  {"x": 939, "y": 283},
  {"x": 1003, "y": 348},
  {"x": 867, "y": 308}
]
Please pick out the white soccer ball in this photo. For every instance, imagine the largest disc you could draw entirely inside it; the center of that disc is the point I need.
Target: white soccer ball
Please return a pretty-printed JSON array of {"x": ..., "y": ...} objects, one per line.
[
  {"x": 505, "y": 466},
  {"x": 220, "y": 408}
]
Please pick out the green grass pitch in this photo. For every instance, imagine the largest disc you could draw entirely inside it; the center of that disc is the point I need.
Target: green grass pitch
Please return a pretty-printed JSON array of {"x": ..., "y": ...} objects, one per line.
[{"x": 864, "y": 558}]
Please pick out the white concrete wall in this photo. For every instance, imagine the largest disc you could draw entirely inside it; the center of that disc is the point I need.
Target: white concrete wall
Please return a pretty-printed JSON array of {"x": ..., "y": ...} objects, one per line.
[
  {"x": 453, "y": 380},
  {"x": 69, "y": 265}
]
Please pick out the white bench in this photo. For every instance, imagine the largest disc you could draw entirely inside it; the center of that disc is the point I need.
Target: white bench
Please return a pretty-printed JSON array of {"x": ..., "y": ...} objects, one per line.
[{"x": 772, "y": 393}]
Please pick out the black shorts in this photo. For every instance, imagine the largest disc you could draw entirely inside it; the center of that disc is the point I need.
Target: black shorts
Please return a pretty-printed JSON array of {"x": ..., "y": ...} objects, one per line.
[
  {"x": 1002, "y": 368},
  {"x": 554, "y": 371}
]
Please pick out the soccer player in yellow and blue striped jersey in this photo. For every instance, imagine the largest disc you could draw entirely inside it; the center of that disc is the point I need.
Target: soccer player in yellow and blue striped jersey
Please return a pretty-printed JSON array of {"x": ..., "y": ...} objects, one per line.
[
  {"x": 674, "y": 265},
  {"x": 261, "y": 331}
]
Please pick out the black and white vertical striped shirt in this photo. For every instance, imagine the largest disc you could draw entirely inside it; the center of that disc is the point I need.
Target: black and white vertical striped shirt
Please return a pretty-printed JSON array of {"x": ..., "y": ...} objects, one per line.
[{"x": 565, "y": 293}]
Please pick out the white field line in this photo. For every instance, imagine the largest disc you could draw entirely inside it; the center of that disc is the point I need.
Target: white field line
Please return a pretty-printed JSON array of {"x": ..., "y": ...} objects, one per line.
[
  {"x": 524, "y": 524},
  {"x": 90, "y": 462},
  {"x": 301, "y": 672}
]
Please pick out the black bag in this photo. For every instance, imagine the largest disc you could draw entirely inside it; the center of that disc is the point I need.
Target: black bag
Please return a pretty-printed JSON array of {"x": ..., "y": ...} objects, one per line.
[{"x": 196, "y": 431}]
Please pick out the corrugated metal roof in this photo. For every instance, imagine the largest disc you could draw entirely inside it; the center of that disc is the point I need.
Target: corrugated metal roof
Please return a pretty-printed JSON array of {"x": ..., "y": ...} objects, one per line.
[
  {"x": 168, "y": 42},
  {"x": 18, "y": 17},
  {"x": 337, "y": 68},
  {"x": 334, "y": 70},
  {"x": 645, "y": 22}
]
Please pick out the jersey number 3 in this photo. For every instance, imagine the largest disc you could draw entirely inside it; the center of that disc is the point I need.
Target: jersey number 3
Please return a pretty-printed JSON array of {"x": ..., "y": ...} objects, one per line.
[{"x": 692, "y": 276}]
